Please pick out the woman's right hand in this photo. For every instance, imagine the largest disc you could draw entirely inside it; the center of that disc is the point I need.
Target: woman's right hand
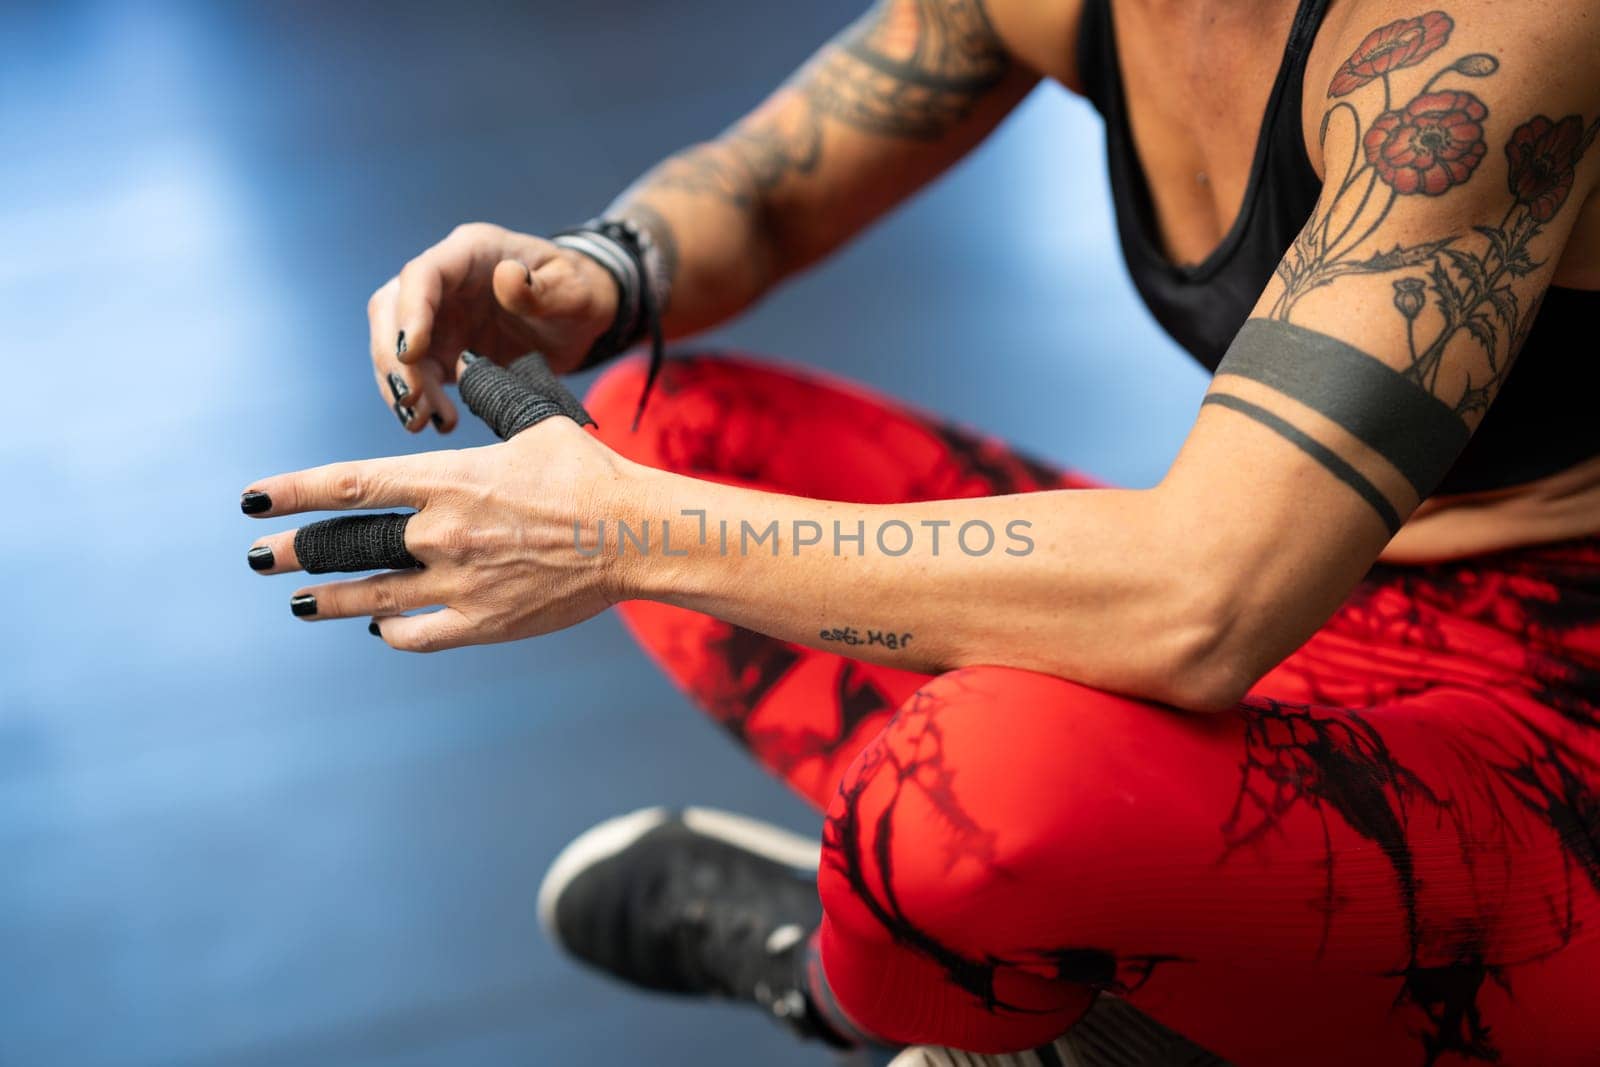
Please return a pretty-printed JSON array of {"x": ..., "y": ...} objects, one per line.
[{"x": 488, "y": 289}]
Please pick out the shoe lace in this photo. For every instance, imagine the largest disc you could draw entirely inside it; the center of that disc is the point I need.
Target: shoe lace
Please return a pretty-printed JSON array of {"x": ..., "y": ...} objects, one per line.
[{"x": 720, "y": 930}]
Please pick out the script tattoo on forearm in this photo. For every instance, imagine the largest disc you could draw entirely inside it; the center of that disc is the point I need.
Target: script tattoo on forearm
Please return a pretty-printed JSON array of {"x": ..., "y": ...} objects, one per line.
[
  {"x": 909, "y": 69},
  {"x": 1457, "y": 293},
  {"x": 849, "y": 635}
]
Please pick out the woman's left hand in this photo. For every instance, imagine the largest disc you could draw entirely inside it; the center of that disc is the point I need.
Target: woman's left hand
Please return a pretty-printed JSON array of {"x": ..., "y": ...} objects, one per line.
[{"x": 493, "y": 530}]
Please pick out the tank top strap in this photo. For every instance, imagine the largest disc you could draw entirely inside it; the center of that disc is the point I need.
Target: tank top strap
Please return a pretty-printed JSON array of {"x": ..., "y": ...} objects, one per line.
[{"x": 1096, "y": 54}]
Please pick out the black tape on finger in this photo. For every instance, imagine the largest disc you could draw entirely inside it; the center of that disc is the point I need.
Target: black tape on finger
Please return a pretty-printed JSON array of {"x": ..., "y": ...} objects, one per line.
[
  {"x": 355, "y": 543},
  {"x": 512, "y": 399}
]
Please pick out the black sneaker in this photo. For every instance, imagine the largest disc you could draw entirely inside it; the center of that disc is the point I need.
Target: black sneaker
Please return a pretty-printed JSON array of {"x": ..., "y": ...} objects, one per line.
[{"x": 695, "y": 902}]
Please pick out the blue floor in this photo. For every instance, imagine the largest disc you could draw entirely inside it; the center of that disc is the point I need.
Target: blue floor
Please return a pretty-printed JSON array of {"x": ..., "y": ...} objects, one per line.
[{"x": 229, "y": 838}]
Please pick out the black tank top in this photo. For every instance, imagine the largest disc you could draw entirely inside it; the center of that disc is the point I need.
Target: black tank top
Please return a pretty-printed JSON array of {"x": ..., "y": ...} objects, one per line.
[{"x": 1544, "y": 419}]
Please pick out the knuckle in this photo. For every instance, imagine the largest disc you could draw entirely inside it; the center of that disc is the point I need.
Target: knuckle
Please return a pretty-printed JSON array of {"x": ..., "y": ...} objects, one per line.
[
  {"x": 423, "y": 641},
  {"x": 461, "y": 541},
  {"x": 347, "y": 487},
  {"x": 564, "y": 268},
  {"x": 472, "y": 231},
  {"x": 421, "y": 536},
  {"x": 384, "y": 600}
]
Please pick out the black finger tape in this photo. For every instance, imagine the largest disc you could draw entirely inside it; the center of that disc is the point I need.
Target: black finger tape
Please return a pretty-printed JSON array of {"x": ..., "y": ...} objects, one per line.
[
  {"x": 355, "y": 543},
  {"x": 512, "y": 399}
]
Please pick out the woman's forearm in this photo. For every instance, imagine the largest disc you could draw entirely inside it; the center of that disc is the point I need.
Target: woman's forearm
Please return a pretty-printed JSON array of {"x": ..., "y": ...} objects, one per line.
[
  {"x": 876, "y": 113},
  {"x": 1086, "y": 585},
  {"x": 717, "y": 253}
]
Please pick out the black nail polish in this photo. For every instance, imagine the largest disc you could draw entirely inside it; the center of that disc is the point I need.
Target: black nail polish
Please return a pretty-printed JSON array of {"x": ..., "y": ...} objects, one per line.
[
  {"x": 400, "y": 344},
  {"x": 372, "y": 628},
  {"x": 437, "y": 420},
  {"x": 254, "y": 503},
  {"x": 403, "y": 413},
  {"x": 303, "y": 605},
  {"x": 260, "y": 558},
  {"x": 398, "y": 386},
  {"x": 469, "y": 357}
]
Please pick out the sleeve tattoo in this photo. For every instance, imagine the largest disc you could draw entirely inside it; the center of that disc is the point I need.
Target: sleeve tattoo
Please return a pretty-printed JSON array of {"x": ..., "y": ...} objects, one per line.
[
  {"x": 908, "y": 69},
  {"x": 1461, "y": 297}
]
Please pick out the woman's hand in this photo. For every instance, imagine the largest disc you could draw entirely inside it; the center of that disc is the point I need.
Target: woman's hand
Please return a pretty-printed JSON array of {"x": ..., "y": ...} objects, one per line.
[
  {"x": 493, "y": 530},
  {"x": 487, "y": 289}
]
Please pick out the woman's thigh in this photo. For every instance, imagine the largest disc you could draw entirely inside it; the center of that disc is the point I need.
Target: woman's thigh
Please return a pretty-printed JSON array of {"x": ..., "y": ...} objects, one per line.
[{"x": 1285, "y": 880}]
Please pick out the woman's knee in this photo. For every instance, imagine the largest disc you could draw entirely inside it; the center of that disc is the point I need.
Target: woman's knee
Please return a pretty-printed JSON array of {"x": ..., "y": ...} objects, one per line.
[
  {"x": 972, "y": 811},
  {"x": 920, "y": 888},
  {"x": 992, "y": 813}
]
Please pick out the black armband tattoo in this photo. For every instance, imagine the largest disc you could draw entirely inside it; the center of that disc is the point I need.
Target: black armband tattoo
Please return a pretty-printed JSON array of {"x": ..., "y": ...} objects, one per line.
[
  {"x": 1385, "y": 410},
  {"x": 1317, "y": 451}
]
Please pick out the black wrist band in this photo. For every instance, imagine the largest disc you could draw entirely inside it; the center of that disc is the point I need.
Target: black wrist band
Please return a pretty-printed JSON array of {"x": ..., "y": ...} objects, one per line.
[{"x": 620, "y": 248}]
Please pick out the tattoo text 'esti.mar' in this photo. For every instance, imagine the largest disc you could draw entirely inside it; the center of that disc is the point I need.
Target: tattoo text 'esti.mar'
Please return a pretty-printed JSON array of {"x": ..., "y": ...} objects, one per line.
[{"x": 849, "y": 635}]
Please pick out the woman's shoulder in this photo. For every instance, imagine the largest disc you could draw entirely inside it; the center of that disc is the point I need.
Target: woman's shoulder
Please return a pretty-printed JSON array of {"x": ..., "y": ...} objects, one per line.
[{"x": 1040, "y": 34}]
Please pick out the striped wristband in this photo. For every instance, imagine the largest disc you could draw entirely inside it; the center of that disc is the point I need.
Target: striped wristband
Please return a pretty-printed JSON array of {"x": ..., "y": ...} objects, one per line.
[{"x": 626, "y": 252}]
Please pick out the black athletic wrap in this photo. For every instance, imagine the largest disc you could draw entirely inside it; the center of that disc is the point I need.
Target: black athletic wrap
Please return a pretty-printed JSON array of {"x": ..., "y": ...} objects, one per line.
[
  {"x": 512, "y": 399},
  {"x": 355, "y": 543},
  {"x": 638, "y": 306}
]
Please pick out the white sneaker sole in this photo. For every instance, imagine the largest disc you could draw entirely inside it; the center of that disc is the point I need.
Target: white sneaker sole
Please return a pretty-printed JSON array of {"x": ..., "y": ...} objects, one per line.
[
  {"x": 1113, "y": 1034},
  {"x": 925, "y": 1056},
  {"x": 599, "y": 843}
]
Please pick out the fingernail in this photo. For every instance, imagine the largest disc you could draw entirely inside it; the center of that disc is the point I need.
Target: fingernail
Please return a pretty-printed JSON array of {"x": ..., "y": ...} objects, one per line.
[
  {"x": 403, "y": 413},
  {"x": 260, "y": 558},
  {"x": 437, "y": 420},
  {"x": 254, "y": 503},
  {"x": 303, "y": 605},
  {"x": 398, "y": 386},
  {"x": 372, "y": 628},
  {"x": 400, "y": 344},
  {"x": 469, "y": 357}
]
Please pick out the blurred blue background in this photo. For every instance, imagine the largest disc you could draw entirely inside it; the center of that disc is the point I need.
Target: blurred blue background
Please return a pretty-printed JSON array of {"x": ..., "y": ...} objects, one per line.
[{"x": 227, "y": 838}]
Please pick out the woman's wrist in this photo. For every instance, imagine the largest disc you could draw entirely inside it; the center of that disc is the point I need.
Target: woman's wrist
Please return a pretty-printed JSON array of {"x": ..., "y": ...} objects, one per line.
[{"x": 643, "y": 533}]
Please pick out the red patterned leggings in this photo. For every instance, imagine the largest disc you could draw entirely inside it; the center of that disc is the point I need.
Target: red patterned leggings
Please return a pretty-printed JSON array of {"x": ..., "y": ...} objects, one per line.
[{"x": 1389, "y": 853}]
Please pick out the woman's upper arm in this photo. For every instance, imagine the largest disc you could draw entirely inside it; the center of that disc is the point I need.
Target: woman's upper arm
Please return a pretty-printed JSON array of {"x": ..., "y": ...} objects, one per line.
[
  {"x": 1458, "y": 146},
  {"x": 889, "y": 103}
]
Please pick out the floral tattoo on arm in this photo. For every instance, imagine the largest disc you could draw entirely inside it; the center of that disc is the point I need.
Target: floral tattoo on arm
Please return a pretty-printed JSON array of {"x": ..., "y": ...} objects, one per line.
[{"x": 1427, "y": 146}]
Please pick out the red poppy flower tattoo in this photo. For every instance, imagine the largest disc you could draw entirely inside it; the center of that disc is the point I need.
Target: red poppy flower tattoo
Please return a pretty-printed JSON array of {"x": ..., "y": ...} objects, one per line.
[
  {"x": 1402, "y": 43},
  {"x": 1430, "y": 145},
  {"x": 1457, "y": 287},
  {"x": 1543, "y": 157}
]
